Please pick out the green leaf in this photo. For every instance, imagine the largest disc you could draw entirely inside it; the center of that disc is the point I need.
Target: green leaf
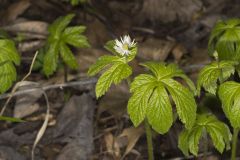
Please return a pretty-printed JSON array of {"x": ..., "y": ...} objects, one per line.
[
  {"x": 159, "y": 103},
  {"x": 58, "y": 27},
  {"x": 110, "y": 47},
  {"x": 8, "y": 48},
  {"x": 184, "y": 100},
  {"x": 74, "y": 30},
  {"x": 183, "y": 142},
  {"x": 68, "y": 56},
  {"x": 220, "y": 134},
  {"x": 101, "y": 63},
  {"x": 161, "y": 71},
  {"x": 76, "y": 40},
  {"x": 218, "y": 131},
  {"x": 138, "y": 103},
  {"x": 10, "y": 119},
  {"x": 51, "y": 59},
  {"x": 150, "y": 98},
  {"x": 115, "y": 74},
  {"x": 225, "y": 40},
  {"x": 229, "y": 94},
  {"x": 210, "y": 74},
  {"x": 194, "y": 137},
  {"x": 59, "y": 39},
  {"x": 8, "y": 57}
]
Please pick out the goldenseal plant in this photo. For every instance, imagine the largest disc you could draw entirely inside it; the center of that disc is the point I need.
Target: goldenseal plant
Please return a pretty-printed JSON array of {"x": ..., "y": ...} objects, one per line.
[
  {"x": 224, "y": 46},
  {"x": 150, "y": 100}
]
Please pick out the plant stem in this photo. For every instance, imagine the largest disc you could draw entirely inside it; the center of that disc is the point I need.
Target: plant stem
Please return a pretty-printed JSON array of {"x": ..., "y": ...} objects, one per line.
[
  {"x": 205, "y": 144},
  {"x": 234, "y": 143},
  {"x": 65, "y": 73},
  {"x": 149, "y": 140}
]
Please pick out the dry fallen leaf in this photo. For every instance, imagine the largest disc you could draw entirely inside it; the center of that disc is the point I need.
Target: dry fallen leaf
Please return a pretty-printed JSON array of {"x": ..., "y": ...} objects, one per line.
[
  {"x": 132, "y": 134},
  {"x": 26, "y": 103},
  {"x": 35, "y": 28},
  {"x": 155, "y": 49},
  {"x": 170, "y": 11},
  {"x": 115, "y": 101},
  {"x": 14, "y": 10},
  {"x": 111, "y": 145},
  {"x": 178, "y": 51}
]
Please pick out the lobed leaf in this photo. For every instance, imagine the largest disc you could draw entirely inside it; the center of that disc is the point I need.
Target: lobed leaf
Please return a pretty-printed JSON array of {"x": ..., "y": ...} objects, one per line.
[
  {"x": 218, "y": 131},
  {"x": 184, "y": 100},
  {"x": 115, "y": 74},
  {"x": 159, "y": 110},
  {"x": 51, "y": 59},
  {"x": 58, "y": 27},
  {"x": 157, "y": 107},
  {"x": 225, "y": 40},
  {"x": 229, "y": 94},
  {"x": 68, "y": 56},
  {"x": 138, "y": 103},
  {"x": 210, "y": 74},
  {"x": 101, "y": 63},
  {"x": 8, "y": 57}
]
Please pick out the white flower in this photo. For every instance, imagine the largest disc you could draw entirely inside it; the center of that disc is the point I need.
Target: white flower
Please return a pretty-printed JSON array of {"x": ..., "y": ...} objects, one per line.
[{"x": 123, "y": 46}]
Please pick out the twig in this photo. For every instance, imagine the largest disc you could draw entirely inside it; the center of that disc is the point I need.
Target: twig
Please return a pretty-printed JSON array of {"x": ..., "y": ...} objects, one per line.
[
  {"x": 18, "y": 85},
  {"x": 54, "y": 86}
]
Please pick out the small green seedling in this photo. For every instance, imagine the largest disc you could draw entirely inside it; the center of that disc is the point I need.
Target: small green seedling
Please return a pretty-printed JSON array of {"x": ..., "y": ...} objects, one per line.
[
  {"x": 59, "y": 40},
  {"x": 205, "y": 124},
  {"x": 9, "y": 57}
]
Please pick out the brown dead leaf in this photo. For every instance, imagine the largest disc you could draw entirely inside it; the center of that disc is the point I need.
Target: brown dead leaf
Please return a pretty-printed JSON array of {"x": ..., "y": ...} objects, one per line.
[
  {"x": 28, "y": 46},
  {"x": 155, "y": 49},
  {"x": 178, "y": 51},
  {"x": 87, "y": 57},
  {"x": 170, "y": 11},
  {"x": 14, "y": 10},
  {"x": 97, "y": 33},
  {"x": 111, "y": 145},
  {"x": 36, "y": 28},
  {"x": 132, "y": 135},
  {"x": 115, "y": 101}
]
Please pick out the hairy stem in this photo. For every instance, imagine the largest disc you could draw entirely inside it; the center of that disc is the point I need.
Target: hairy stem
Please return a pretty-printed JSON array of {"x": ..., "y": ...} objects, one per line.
[
  {"x": 234, "y": 143},
  {"x": 149, "y": 140}
]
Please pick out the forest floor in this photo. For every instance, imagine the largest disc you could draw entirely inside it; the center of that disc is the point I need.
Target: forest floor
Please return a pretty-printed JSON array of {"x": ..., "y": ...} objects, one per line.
[{"x": 81, "y": 127}]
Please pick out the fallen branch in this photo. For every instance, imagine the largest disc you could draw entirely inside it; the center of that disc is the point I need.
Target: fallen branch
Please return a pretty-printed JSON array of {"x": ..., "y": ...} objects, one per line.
[{"x": 54, "y": 86}]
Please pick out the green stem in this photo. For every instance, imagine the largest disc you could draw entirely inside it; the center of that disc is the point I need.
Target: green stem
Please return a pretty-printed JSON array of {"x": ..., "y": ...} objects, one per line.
[
  {"x": 205, "y": 144},
  {"x": 234, "y": 143},
  {"x": 149, "y": 140}
]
